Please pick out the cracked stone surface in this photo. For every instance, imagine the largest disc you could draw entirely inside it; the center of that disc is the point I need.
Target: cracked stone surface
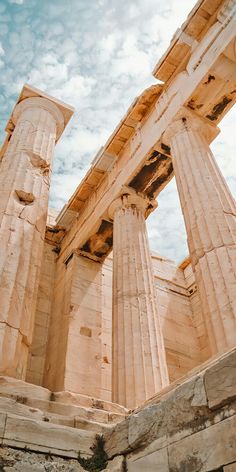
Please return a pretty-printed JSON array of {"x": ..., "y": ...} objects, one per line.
[{"x": 23, "y": 182}]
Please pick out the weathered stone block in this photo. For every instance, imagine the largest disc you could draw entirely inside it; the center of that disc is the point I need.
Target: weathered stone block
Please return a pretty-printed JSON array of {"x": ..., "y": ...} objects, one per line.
[
  {"x": 230, "y": 468},
  {"x": 3, "y": 417},
  {"x": 116, "y": 465},
  {"x": 10, "y": 387},
  {"x": 179, "y": 413},
  {"x": 46, "y": 437},
  {"x": 10, "y": 405},
  {"x": 15, "y": 460},
  {"x": 89, "y": 425},
  {"x": 207, "y": 450},
  {"x": 220, "y": 381},
  {"x": 155, "y": 462},
  {"x": 116, "y": 441}
]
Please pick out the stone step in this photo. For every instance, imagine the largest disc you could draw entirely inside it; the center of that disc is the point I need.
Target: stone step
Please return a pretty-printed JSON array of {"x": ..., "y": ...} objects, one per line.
[
  {"x": 89, "y": 402},
  {"x": 10, "y": 387},
  {"x": 12, "y": 406},
  {"x": 40, "y": 436},
  {"x": 65, "y": 409},
  {"x": 41, "y": 397}
]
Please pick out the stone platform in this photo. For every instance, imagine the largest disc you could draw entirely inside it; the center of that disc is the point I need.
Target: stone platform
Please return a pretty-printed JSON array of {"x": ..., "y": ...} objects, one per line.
[{"x": 189, "y": 427}]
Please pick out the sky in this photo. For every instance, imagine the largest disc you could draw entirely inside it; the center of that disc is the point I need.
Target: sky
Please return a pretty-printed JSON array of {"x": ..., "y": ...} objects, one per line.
[{"x": 98, "y": 55}]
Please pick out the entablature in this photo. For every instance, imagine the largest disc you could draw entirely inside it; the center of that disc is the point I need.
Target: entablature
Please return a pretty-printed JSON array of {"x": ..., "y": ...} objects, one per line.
[{"x": 136, "y": 155}]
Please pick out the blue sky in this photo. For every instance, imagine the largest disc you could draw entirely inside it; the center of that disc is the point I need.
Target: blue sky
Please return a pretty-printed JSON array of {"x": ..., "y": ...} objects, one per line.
[{"x": 97, "y": 55}]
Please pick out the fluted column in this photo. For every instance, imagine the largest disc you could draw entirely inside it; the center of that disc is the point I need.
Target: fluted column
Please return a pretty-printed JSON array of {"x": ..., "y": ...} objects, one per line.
[
  {"x": 139, "y": 363},
  {"x": 209, "y": 212},
  {"x": 24, "y": 182}
]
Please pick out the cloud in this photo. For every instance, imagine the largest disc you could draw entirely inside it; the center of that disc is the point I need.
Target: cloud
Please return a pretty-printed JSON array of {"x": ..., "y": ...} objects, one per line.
[
  {"x": 17, "y": 2},
  {"x": 2, "y": 52},
  {"x": 98, "y": 58}
]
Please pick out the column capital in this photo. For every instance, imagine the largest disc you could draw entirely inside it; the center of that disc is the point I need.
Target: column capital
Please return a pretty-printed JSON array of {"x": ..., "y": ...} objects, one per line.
[
  {"x": 132, "y": 199},
  {"x": 37, "y": 103},
  {"x": 187, "y": 120},
  {"x": 51, "y": 104}
]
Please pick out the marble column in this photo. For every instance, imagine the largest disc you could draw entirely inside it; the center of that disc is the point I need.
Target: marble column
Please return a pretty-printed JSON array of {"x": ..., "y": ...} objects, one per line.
[
  {"x": 24, "y": 182},
  {"x": 209, "y": 212},
  {"x": 139, "y": 362}
]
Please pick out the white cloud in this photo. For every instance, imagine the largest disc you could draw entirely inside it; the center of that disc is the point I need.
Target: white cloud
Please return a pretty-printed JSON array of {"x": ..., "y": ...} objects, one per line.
[
  {"x": 17, "y": 2},
  {"x": 2, "y": 52}
]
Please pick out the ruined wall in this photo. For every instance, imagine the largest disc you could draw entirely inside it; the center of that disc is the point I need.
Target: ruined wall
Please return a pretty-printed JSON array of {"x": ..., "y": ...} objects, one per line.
[{"x": 79, "y": 344}]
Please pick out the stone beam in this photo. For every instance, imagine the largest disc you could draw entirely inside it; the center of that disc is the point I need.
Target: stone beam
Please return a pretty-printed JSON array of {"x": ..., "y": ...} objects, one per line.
[{"x": 205, "y": 83}]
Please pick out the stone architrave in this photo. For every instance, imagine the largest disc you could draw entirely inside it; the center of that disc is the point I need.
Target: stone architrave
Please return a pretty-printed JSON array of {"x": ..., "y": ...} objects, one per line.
[
  {"x": 24, "y": 182},
  {"x": 209, "y": 211},
  {"x": 139, "y": 362}
]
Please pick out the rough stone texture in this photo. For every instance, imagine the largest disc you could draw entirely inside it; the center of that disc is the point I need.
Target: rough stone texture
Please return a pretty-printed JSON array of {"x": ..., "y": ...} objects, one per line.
[
  {"x": 12, "y": 460},
  {"x": 46, "y": 437},
  {"x": 3, "y": 418},
  {"x": 71, "y": 398},
  {"x": 207, "y": 450},
  {"x": 220, "y": 381},
  {"x": 10, "y": 405},
  {"x": 87, "y": 418},
  {"x": 116, "y": 465},
  {"x": 180, "y": 413},
  {"x": 156, "y": 462},
  {"x": 167, "y": 421},
  {"x": 230, "y": 468},
  {"x": 177, "y": 424},
  {"x": 10, "y": 387}
]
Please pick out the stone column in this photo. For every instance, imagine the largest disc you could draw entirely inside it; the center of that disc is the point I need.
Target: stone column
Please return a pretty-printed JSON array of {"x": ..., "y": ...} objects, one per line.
[
  {"x": 139, "y": 362},
  {"x": 24, "y": 182},
  {"x": 209, "y": 212}
]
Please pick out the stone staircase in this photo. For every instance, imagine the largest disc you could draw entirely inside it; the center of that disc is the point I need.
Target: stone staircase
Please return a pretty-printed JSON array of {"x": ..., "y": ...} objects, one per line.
[{"x": 62, "y": 423}]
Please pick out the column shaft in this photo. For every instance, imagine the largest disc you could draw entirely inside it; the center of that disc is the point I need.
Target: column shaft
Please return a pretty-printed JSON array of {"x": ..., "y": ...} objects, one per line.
[
  {"x": 209, "y": 213},
  {"x": 24, "y": 182},
  {"x": 139, "y": 363}
]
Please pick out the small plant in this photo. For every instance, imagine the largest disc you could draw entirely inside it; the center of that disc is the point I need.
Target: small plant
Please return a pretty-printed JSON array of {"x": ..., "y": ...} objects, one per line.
[
  {"x": 124, "y": 466},
  {"x": 99, "y": 459}
]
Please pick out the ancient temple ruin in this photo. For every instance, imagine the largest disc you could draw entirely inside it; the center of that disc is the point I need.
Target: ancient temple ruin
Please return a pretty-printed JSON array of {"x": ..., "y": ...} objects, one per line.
[{"x": 104, "y": 343}]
